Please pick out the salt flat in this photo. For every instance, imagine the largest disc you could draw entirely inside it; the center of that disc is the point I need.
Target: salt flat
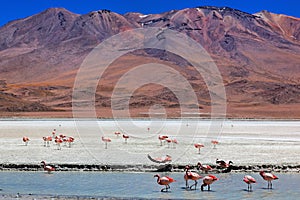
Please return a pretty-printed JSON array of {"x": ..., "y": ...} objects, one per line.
[{"x": 244, "y": 142}]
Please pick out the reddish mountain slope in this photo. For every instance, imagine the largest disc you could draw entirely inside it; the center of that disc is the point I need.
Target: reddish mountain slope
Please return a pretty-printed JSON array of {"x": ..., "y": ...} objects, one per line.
[{"x": 258, "y": 56}]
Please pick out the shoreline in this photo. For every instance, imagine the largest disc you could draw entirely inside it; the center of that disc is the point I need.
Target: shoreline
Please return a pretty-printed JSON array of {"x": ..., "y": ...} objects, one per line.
[
  {"x": 284, "y": 168},
  {"x": 144, "y": 119}
]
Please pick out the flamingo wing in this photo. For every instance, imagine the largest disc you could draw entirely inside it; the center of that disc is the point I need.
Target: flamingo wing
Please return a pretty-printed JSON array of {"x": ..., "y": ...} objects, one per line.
[
  {"x": 194, "y": 175},
  {"x": 212, "y": 177},
  {"x": 270, "y": 176},
  {"x": 49, "y": 168},
  {"x": 169, "y": 179},
  {"x": 249, "y": 179}
]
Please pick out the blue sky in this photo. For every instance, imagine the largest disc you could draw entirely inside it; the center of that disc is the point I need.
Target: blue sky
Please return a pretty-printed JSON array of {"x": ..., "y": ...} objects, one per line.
[{"x": 16, "y": 9}]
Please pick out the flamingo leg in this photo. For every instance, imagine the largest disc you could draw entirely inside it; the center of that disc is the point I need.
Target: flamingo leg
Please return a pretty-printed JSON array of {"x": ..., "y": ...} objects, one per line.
[
  {"x": 195, "y": 184},
  {"x": 165, "y": 189},
  {"x": 208, "y": 187},
  {"x": 186, "y": 184},
  {"x": 105, "y": 145}
]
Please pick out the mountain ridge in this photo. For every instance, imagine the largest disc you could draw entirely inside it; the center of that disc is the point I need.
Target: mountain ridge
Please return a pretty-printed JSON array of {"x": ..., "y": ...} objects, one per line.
[{"x": 257, "y": 55}]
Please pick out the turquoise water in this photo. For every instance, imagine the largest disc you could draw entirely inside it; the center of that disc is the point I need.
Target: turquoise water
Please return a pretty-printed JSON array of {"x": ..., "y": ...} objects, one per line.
[{"x": 142, "y": 185}]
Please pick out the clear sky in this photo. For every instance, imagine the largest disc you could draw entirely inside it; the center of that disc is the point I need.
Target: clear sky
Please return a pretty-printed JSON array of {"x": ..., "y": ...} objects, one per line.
[{"x": 16, "y": 9}]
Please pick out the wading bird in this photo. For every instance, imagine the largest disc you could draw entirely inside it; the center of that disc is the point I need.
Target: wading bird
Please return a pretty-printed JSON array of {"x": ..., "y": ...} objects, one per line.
[
  {"x": 163, "y": 159},
  {"x": 198, "y": 146},
  {"x": 162, "y": 138},
  {"x": 215, "y": 142},
  {"x": 207, "y": 181},
  {"x": 25, "y": 140},
  {"x": 69, "y": 140},
  {"x": 165, "y": 180},
  {"x": 204, "y": 168},
  {"x": 58, "y": 141},
  {"x": 249, "y": 180},
  {"x": 47, "y": 168},
  {"x": 224, "y": 164},
  {"x": 191, "y": 176},
  {"x": 268, "y": 177},
  {"x": 47, "y": 141},
  {"x": 125, "y": 138},
  {"x": 117, "y": 133},
  {"x": 106, "y": 140}
]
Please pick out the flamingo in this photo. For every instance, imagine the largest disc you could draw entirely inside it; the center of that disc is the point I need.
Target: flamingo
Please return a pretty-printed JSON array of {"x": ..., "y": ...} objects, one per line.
[
  {"x": 268, "y": 177},
  {"x": 26, "y": 140},
  {"x": 215, "y": 142},
  {"x": 198, "y": 146},
  {"x": 249, "y": 180},
  {"x": 223, "y": 163},
  {"x": 117, "y": 133},
  {"x": 191, "y": 176},
  {"x": 106, "y": 140},
  {"x": 168, "y": 140},
  {"x": 207, "y": 181},
  {"x": 58, "y": 141},
  {"x": 47, "y": 141},
  {"x": 204, "y": 168},
  {"x": 125, "y": 137},
  {"x": 53, "y": 133},
  {"x": 164, "y": 159},
  {"x": 48, "y": 168},
  {"x": 165, "y": 180},
  {"x": 69, "y": 140},
  {"x": 161, "y": 138}
]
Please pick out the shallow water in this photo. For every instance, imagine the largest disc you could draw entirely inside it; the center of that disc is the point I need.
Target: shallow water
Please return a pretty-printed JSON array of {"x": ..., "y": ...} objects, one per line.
[{"x": 141, "y": 185}]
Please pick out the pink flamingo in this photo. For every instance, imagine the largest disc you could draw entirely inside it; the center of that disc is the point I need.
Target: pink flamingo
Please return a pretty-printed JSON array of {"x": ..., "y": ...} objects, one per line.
[
  {"x": 162, "y": 138},
  {"x": 198, "y": 146},
  {"x": 207, "y": 181},
  {"x": 224, "y": 164},
  {"x": 165, "y": 180},
  {"x": 58, "y": 141},
  {"x": 125, "y": 137},
  {"x": 53, "y": 133},
  {"x": 106, "y": 140},
  {"x": 215, "y": 142},
  {"x": 25, "y": 140},
  {"x": 48, "y": 168},
  {"x": 47, "y": 141},
  {"x": 249, "y": 180},
  {"x": 69, "y": 140},
  {"x": 268, "y": 177},
  {"x": 163, "y": 159},
  {"x": 117, "y": 133},
  {"x": 191, "y": 176},
  {"x": 168, "y": 140},
  {"x": 204, "y": 168}
]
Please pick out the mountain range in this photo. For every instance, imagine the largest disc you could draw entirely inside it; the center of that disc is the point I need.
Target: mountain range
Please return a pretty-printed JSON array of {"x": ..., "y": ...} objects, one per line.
[{"x": 258, "y": 56}]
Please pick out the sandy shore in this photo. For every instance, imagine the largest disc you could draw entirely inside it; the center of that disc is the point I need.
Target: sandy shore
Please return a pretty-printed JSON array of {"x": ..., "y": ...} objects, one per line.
[{"x": 251, "y": 145}]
